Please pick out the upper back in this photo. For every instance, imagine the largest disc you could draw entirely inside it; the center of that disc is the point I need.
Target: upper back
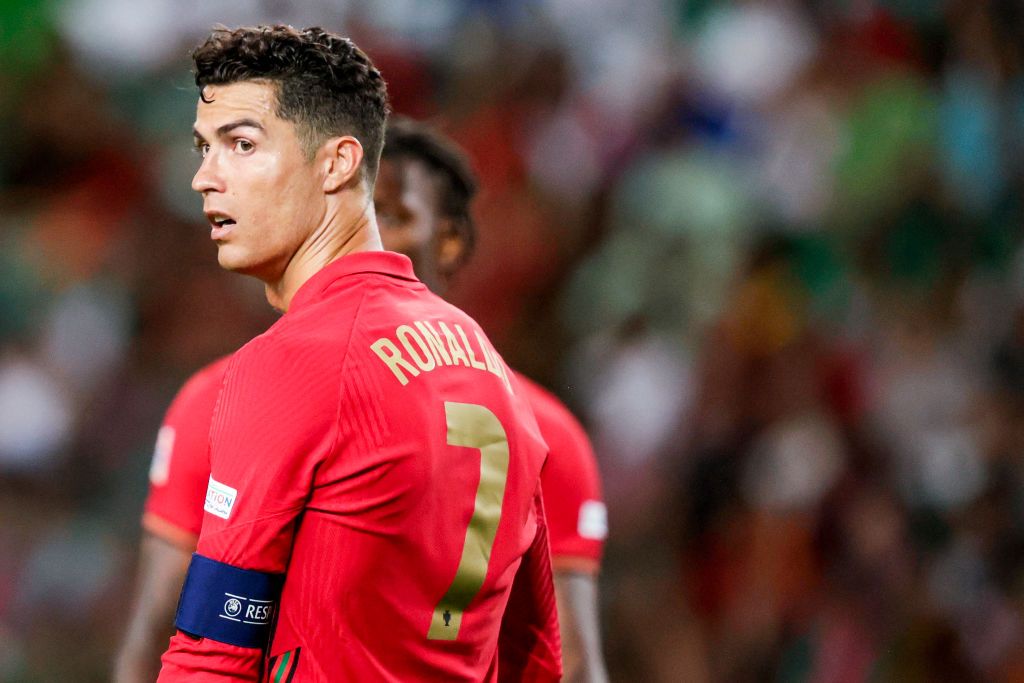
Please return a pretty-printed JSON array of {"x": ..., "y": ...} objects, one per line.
[{"x": 422, "y": 499}]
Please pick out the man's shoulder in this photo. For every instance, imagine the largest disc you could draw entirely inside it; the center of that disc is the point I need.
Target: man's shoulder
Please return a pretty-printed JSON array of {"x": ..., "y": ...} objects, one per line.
[
  {"x": 577, "y": 517},
  {"x": 357, "y": 303},
  {"x": 288, "y": 355},
  {"x": 196, "y": 396},
  {"x": 571, "y": 454},
  {"x": 209, "y": 376},
  {"x": 316, "y": 330},
  {"x": 551, "y": 413}
]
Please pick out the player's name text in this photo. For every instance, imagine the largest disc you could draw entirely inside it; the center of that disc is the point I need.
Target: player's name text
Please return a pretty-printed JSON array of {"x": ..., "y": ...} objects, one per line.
[{"x": 422, "y": 346}]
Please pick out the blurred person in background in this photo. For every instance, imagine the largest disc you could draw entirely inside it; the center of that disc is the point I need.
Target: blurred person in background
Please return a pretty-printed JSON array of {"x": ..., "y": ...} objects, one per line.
[
  {"x": 422, "y": 201},
  {"x": 330, "y": 474},
  {"x": 635, "y": 156}
]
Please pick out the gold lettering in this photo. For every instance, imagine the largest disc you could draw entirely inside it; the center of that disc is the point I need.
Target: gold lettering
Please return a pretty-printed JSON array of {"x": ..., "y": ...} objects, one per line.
[
  {"x": 494, "y": 362},
  {"x": 469, "y": 349},
  {"x": 453, "y": 346},
  {"x": 425, "y": 360},
  {"x": 392, "y": 357},
  {"x": 504, "y": 372},
  {"x": 492, "y": 367},
  {"x": 434, "y": 342}
]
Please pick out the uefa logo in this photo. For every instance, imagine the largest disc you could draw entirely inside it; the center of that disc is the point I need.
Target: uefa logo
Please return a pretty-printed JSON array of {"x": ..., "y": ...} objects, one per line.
[{"x": 233, "y": 607}]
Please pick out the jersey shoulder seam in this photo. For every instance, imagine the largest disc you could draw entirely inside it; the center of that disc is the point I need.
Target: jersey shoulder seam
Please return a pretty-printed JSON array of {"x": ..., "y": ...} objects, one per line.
[{"x": 341, "y": 374}]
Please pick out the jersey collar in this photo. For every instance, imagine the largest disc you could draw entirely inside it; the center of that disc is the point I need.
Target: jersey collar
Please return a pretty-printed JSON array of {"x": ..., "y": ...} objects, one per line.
[{"x": 387, "y": 263}]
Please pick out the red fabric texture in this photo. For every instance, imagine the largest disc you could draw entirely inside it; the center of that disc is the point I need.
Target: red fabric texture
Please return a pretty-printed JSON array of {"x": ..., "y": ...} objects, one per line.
[{"x": 348, "y": 480}]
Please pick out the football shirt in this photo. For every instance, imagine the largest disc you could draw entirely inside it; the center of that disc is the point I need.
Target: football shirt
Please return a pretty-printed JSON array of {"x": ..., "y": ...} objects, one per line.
[{"x": 373, "y": 446}]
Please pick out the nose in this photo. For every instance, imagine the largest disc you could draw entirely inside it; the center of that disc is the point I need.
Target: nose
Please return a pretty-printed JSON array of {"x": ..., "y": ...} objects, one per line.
[{"x": 208, "y": 177}]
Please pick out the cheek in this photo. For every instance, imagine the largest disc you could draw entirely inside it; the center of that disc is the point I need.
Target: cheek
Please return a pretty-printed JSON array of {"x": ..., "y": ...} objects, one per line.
[
  {"x": 284, "y": 196},
  {"x": 304, "y": 186},
  {"x": 256, "y": 185}
]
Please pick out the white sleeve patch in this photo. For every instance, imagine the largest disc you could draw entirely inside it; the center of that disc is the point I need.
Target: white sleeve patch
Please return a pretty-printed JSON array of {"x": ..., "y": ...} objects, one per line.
[
  {"x": 593, "y": 521},
  {"x": 160, "y": 467},
  {"x": 220, "y": 498}
]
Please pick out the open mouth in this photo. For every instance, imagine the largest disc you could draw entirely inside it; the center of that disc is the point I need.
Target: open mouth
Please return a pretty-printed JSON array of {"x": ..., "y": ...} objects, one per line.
[{"x": 220, "y": 224}]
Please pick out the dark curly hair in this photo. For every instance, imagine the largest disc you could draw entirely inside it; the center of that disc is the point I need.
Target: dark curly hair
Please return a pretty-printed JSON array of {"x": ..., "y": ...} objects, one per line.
[
  {"x": 326, "y": 85},
  {"x": 410, "y": 140}
]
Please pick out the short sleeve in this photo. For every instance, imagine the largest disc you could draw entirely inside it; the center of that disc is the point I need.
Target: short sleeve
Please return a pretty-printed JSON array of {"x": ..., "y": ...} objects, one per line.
[
  {"x": 274, "y": 425},
  {"x": 180, "y": 467},
  {"x": 576, "y": 513}
]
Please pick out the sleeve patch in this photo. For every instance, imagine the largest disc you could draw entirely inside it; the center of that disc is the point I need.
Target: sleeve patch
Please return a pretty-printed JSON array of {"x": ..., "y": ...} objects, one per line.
[
  {"x": 593, "y": 520},
  {"x": 160, "y": 467},
  {"x": 220, "y": 498}
]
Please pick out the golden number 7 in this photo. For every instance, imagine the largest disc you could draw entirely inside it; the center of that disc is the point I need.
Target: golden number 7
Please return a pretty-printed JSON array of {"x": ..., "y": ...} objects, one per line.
[{"x": 473, "y": 426}]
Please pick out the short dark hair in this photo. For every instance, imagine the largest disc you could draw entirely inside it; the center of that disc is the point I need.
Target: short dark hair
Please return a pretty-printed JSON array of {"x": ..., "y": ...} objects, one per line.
[
  {"x": 408, "y": 139},
  {"x": 326, "y": 85}
]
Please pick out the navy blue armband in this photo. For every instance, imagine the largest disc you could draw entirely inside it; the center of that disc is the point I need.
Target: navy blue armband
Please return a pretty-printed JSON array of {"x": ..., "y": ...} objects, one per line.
[{"x": 227, "y": 604}]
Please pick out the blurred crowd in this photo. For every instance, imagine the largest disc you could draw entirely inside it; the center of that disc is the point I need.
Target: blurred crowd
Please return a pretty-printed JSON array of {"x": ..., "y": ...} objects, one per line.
[{"x": 769, "y": 250}]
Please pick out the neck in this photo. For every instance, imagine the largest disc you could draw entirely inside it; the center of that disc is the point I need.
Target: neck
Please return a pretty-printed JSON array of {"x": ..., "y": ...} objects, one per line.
[{"x": 337, "y": 235}]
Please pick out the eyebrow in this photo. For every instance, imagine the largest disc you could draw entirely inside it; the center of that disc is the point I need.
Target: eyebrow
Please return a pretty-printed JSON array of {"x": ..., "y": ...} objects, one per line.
[{"x": 228, "y": 127}]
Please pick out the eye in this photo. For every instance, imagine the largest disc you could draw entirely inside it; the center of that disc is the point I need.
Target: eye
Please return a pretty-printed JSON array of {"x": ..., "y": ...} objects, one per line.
[
  {"x": 201, "y": 148},
  {"x": 244, "y": 146}
]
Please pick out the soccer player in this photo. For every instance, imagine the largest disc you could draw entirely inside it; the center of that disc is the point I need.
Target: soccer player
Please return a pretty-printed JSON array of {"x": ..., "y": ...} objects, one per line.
[
  {"x": 373, "y": 497},
  {"x": 422, "y": 197}
]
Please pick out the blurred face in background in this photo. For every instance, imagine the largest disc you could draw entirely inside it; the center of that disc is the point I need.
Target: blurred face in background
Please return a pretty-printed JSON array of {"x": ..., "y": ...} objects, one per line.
[
  {"x": 407, "y": 200},
  {"x": 262, "y": 196}
]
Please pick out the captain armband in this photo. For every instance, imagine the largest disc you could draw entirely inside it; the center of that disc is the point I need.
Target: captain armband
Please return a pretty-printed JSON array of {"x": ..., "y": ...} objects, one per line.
[{"x": 228, "y": 604}]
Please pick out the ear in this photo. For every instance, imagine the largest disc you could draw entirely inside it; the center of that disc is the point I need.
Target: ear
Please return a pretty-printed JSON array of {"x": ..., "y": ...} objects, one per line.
[
  {"x": 342, "y": 160},
  {"x": 452, "y": 251}
]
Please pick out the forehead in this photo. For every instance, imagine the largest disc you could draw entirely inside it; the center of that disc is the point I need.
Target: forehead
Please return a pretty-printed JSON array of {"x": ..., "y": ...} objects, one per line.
[{"x": 219, "y": 104}]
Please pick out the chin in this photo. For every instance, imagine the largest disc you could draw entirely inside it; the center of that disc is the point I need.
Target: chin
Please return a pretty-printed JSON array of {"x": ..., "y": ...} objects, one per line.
[
  {"x": 237, "y": 260},
  {"x": 229, "y": 258},
  {"x": 234, "y": 259}
]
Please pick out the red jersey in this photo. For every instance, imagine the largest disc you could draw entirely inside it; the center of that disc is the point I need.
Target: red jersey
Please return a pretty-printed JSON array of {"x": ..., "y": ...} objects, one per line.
[
  {"x": 180, "y": 470},
  {"x": 573, "y": 504},
  {"x": 372, "y": 446}
]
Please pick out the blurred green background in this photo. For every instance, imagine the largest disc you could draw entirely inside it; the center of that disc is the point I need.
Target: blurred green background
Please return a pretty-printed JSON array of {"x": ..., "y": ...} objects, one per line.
[{"x": 769, "y": 250}]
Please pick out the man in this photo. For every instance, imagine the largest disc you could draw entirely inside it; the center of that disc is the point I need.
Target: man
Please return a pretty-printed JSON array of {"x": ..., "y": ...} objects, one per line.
[
  {"x": 422, "y": 198},
  {"x": 373, "y": 496}
]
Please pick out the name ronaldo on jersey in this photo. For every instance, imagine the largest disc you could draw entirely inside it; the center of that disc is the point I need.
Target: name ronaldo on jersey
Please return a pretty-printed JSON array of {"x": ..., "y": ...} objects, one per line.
[{"x": 428, "y": 346}]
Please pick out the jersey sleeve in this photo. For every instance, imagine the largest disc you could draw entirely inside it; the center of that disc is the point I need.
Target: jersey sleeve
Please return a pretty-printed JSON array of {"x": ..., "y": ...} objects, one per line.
[
  {"x": 529, "y": 642},
  {"x": 274, "y": 425},
  {"x": 181, "y": 466},
  {"x": 576, "y": 514}
]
